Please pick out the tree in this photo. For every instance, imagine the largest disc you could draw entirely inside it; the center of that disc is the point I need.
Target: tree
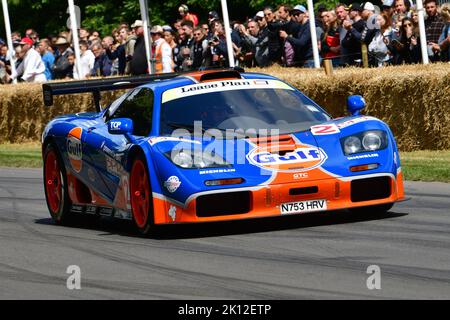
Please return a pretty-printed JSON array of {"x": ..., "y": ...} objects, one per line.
[{"x": 49, "y": 17}]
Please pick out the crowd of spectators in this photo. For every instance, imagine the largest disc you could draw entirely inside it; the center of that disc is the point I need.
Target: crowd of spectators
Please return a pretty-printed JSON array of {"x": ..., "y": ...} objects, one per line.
[{"x": 273, "y": 36}]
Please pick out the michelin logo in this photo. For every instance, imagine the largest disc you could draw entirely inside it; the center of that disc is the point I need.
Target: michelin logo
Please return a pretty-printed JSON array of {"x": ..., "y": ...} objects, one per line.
[{"x": 364, "y": 156}]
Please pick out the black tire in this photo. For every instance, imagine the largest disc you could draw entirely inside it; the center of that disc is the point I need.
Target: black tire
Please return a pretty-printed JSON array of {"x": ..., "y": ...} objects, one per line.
[
  {"x": 142, "y": 203},
  {"x": 60, "y": 212},
  {"x": 378, "y": 209}
]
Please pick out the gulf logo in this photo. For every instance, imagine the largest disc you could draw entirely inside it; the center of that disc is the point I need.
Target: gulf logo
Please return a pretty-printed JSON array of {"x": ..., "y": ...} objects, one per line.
[
  {"x": 74, "y": 148},
  {"x": 302, "y": 158}
]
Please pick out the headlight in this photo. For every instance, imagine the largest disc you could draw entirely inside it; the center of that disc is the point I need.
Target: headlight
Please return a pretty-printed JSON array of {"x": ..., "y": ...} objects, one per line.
[
  {"x": 364, "y": 141},
  {"x": 188, "y": 159},
  {"x": 371, "y": 141},
  {"x": 352, "y": 145}
]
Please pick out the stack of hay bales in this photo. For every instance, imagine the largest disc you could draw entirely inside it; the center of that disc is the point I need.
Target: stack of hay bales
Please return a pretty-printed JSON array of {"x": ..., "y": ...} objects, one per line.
[{"x": 414, "y": 100}]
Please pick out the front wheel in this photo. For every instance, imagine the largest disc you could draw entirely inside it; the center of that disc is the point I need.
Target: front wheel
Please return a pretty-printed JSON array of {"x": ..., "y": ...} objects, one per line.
[
  {"x": 55, "y": 182},
  {"x": 141, "y": 195}
]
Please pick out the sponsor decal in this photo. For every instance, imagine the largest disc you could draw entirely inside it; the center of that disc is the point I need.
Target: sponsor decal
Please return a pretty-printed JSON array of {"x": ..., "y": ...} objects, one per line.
[
  {"x": 354, "y": 121},
  {"x": 324, "y": 129},
  {"x": 172, "y": 184},
  {"x": 115, "y": 125},
  {"x": 220, "y": 86},
  {"x": 301, "y": 175},
  {"x": 173, "y": 213},
  {"x": 303, "y": 158},
  {"x": 156, "y": 140},
  {"x": 75, "y": 149},
  {"x": 212, "y": 171},
  {"x": 363, "y": 156}
]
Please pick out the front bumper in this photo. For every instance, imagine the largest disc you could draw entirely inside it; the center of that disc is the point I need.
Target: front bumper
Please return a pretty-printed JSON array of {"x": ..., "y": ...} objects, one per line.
[{"x": 266, "y": 200}]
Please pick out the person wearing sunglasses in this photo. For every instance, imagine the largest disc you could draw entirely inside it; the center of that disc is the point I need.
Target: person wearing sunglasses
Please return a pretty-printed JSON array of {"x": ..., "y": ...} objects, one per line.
[{"x": 408, "y": 48}]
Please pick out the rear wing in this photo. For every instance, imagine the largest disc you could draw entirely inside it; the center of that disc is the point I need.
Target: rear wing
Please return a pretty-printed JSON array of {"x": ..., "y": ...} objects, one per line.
[
  {"x": 98, "y": 85},
  {"x": 119, "y": 83}
]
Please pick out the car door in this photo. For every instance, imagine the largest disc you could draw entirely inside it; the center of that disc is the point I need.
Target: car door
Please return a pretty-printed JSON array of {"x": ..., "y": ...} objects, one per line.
[{"x": 137, "y": 106}]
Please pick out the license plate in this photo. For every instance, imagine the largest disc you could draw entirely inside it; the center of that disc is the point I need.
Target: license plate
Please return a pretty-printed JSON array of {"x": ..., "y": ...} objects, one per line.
[{"x": 303, "y": 206}]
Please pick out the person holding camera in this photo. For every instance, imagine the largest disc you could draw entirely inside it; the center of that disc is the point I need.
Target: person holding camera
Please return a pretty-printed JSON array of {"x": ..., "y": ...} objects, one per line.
[{"x": 257, "y": 39}]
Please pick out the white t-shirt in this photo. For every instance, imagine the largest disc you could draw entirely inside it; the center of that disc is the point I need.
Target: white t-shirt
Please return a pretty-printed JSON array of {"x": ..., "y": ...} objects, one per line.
[
  {"x": 87, "y": 61},
  {"x": 32, "y": 69}
]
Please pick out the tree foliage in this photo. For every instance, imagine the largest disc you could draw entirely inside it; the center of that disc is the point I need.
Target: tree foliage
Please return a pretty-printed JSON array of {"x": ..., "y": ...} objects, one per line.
[{"x": 49, "y": 17}]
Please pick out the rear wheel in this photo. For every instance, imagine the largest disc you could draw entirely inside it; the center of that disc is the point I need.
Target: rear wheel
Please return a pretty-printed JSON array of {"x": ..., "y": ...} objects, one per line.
[
  {"x": 55, "y": 182},
  {"x": 381, "y": 208},
  {"x": 141, "y": 195}
]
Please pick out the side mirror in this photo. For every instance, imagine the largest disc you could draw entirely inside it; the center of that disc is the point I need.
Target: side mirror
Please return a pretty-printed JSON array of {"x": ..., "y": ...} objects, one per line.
[
  {"x": 120, "y": 126},
  {"x": 355, "y": 104}
]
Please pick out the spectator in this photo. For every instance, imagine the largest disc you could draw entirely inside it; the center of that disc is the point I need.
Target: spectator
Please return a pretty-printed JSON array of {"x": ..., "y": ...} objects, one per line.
[
  {"x": 102, "y": 64},
  {"x": 408, "y": 48},
  {"x": 275, "y": 44},
  {"x": 84, "y": 35},
  {"x": 206, "y": 31},
  {"x": 378, "y": 48},
  {"x": 444, "y": 39},
  {"x": 71, "y": 60},
  {"x": 319, "y": 20},
  {"x": 94, "y": 37},
  {"x": 61, "y": 67},
  {"x": 212, "y": 16},
  {"x": 402, "y": 6},
  {"x": 342, "y": 13},
  {"x": 185, "y": 15},
  {"x": 200, "y": 53},
  {"x": 117, "y": 51},
  {"x": 367, "y": 15},
  {"x": 257, "y": 39},
  {"x": 16, "y": 37},
  {"x": 171, "y": 38},
  {"x": 188, "y": 28},
  {"x": 130, "y": 44},
  {"x": 388, "y": 9},
  {"x": 352, "y": 38},
  {"x": 331, "y": 47},
  {"x": 47, "y": 58},
  {"x": 433, "y": 29},
  {"x": 301, "y": 42},
  {"x": 32, "y": 69},
  {"x": 87, "y": 61},
  {"x": 162, "y": 52},
  {"x": 138, "y": 63}
]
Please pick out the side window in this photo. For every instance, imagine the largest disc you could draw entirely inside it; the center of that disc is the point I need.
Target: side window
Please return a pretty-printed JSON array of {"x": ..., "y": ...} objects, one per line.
[{"x": 138, "y": 106}]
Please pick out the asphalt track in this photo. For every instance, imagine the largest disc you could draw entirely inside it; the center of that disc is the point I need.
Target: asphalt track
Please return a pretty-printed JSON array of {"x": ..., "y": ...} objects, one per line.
[{"x": 315, "y": 256}]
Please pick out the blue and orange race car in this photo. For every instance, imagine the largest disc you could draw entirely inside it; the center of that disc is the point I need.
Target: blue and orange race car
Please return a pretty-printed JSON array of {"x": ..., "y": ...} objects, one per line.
[{"x": 213, "y": 145}]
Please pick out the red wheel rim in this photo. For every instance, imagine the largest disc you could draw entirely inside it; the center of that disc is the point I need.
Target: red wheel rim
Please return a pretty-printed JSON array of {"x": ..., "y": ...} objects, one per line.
[
  {"x": 140, "y": 193},
  {"x": 53, "y": 181}
]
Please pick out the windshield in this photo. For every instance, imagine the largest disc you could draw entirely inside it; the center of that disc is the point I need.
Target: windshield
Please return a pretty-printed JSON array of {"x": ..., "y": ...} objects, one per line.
[{"x": 246, "y": 108}]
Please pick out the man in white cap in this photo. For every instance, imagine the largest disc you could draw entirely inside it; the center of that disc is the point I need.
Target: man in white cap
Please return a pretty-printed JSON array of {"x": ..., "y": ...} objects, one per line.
[
  {"x": 368, "y": 10},
  {"x": 162, "y": 52}
]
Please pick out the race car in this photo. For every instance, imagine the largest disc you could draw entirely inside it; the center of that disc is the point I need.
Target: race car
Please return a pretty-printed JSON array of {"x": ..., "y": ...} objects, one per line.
[{"x": 213, "y": 145}]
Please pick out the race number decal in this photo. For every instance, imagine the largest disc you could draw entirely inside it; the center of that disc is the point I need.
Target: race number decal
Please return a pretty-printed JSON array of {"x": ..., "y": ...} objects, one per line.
[{"x": 324, "y": 129}]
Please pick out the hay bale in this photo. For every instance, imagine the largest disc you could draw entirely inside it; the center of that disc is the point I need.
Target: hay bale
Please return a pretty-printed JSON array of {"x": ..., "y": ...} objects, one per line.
[{"x": 412, "y": 99}]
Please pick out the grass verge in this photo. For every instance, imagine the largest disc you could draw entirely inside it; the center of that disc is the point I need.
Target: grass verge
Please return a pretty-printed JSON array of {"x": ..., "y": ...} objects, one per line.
[{"x": 416, "y": 165}]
